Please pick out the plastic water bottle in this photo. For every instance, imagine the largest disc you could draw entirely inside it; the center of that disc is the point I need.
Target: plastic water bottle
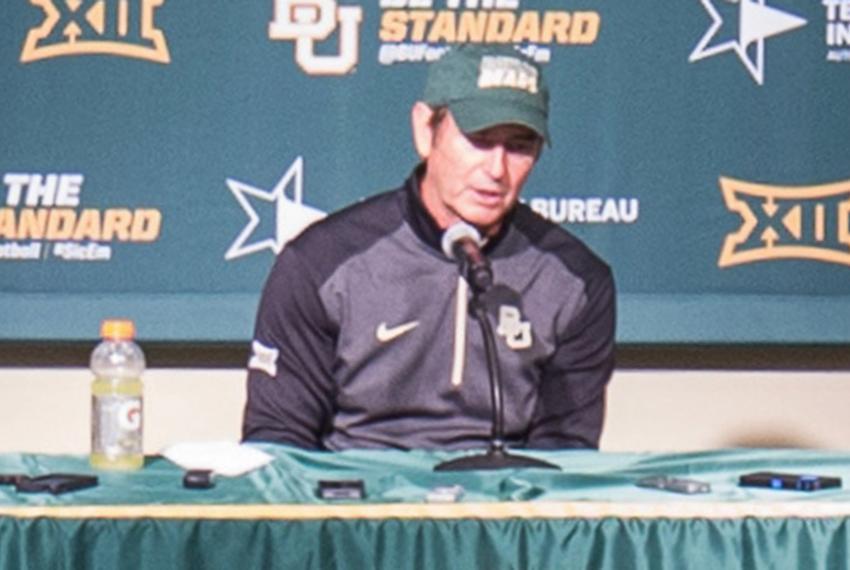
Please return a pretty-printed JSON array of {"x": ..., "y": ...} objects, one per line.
[{"x": 116, "y": 397}]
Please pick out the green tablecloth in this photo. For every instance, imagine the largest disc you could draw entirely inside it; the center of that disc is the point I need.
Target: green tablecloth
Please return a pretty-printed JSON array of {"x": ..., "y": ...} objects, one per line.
[{"x": 587, "y": 515}]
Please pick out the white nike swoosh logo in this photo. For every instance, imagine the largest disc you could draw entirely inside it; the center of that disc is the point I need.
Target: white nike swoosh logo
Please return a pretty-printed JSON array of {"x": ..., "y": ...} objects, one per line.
[{"x": 385, "y": 334}]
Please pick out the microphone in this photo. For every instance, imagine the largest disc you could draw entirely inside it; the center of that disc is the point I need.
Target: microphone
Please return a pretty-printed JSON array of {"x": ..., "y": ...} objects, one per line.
[{"x": 462, "y": 242}]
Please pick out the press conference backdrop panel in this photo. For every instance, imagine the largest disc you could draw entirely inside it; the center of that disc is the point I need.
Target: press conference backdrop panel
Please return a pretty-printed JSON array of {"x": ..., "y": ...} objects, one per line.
[{"x": 156, "y": 154}]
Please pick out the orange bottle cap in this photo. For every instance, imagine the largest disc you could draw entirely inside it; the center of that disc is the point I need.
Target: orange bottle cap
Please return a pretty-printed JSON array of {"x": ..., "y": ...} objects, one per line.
[{"x": 117, "y": 329}]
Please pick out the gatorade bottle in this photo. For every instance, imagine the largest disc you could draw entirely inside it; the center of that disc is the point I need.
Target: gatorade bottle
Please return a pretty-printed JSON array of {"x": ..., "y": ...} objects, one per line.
[{"x": 116, "y": 414}]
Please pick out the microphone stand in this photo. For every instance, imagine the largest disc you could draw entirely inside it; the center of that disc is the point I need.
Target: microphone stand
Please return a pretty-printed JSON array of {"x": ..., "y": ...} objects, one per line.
[{"x": 497, "y": 455}]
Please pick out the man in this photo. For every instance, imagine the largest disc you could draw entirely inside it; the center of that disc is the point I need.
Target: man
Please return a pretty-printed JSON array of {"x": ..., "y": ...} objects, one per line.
[{"x": 362, "y": 338}]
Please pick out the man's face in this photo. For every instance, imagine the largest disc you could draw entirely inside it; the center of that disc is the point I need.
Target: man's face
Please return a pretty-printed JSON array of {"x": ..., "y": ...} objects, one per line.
[{"x": 476, "y": 177}]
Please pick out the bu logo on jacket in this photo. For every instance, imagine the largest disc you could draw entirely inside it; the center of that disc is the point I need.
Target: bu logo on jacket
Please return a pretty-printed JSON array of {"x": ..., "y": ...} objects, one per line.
[{"x": 517, "y": 332}]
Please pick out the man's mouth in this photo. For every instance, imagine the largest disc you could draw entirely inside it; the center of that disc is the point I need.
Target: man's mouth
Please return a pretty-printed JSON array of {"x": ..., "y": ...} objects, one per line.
[{"x": 488, "y": 196}]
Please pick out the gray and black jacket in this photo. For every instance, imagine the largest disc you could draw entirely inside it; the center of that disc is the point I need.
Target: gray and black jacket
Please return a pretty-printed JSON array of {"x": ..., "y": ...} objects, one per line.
[{"x": 363, "y": 339}]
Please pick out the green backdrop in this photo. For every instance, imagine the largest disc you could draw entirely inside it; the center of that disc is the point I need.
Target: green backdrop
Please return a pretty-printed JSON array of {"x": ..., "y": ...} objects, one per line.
[{"x": 156, "y": 154}]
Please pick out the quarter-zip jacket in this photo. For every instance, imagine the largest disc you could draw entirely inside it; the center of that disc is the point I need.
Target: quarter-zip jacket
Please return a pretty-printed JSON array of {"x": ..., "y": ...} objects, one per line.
[{"x": 362, "y": 339}]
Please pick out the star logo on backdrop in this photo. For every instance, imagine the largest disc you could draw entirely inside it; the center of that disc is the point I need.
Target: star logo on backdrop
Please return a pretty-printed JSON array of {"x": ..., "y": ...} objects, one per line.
[
  {"x": 756, "y": 22},
  {"x": 290, "y": 215}
]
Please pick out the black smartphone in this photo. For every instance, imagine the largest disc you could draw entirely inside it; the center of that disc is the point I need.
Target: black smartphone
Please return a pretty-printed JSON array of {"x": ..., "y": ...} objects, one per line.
[
  {"x": 55, "y": 483},
  {"x": 789, "y": 481}
]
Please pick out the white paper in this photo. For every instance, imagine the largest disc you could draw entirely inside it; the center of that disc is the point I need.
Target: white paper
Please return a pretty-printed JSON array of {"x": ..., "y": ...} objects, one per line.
[{"x": 222, "y": 457}]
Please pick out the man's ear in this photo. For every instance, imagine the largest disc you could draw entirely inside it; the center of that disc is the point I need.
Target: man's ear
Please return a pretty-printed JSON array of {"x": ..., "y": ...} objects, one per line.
[{"x": 423, "y": 134}]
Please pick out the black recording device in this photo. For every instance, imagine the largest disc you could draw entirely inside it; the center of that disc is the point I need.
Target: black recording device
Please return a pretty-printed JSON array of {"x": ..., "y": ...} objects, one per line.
[
  {"x": 199, "y": 479},
  {"x": 346, "y": 489},
  {"x": 789, "y": 481}
]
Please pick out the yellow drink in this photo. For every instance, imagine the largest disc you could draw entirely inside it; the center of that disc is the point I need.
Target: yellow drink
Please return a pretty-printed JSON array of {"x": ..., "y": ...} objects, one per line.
[{"x": 116, "y": 423}]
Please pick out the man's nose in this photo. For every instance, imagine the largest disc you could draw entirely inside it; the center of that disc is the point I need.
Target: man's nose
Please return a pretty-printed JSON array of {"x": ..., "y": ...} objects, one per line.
[{"x": 496, "y": 157}]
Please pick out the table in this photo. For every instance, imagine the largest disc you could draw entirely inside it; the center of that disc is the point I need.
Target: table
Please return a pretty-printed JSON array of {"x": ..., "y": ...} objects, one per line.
[{"x": 587, "y": 515}]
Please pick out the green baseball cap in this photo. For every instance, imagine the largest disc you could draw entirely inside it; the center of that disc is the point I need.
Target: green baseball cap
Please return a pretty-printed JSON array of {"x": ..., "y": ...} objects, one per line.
[{"x": 488, "y": 85}]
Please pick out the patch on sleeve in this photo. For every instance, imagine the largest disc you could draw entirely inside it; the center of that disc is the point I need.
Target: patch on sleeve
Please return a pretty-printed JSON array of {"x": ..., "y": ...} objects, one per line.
[{"x": 263, "y": 358}]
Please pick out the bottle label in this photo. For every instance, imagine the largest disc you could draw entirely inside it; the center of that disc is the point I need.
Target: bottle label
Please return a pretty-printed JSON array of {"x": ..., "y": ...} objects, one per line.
[{"x": 117, "y": 425}]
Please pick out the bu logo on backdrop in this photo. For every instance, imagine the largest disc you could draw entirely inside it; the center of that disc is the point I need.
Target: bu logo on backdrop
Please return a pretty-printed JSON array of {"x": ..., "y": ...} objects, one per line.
[
  {"x": 309, "y": 21},
  {"x": 109, "y": 27}
]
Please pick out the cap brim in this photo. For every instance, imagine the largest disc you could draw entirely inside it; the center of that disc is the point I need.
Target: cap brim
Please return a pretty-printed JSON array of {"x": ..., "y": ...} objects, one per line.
[{"x": 474, "y": 115}]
